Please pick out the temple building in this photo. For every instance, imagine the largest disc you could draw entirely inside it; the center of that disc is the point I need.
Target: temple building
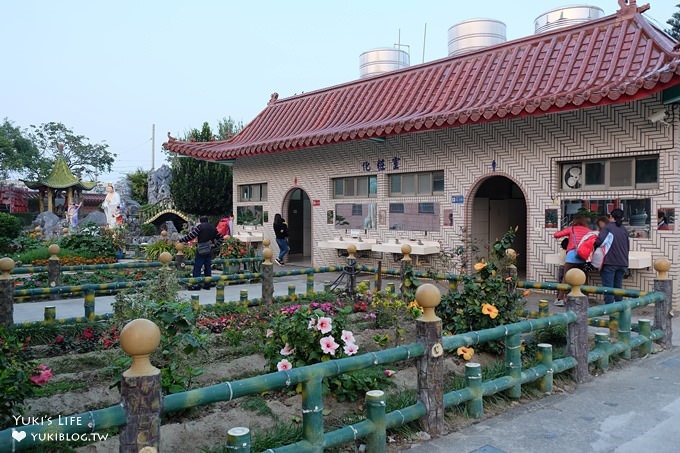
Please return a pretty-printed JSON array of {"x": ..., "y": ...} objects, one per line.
[{"x": 524, "y": 133}]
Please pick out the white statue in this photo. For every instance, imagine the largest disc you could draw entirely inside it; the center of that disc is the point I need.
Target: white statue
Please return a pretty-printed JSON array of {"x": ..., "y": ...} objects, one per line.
[{"x": 111, "y": 202}]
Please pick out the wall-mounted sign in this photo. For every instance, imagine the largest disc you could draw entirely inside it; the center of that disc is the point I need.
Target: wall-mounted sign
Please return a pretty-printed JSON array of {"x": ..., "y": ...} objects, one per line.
[
  {"x": 381, "y": 165},
  {"x": 457, "y": 199},
  {"x": 316, "y": 202}
]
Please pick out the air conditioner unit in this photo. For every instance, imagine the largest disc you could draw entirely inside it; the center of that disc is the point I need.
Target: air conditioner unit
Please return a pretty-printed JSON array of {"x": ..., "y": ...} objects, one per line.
[{"x": 572, "y": 176}]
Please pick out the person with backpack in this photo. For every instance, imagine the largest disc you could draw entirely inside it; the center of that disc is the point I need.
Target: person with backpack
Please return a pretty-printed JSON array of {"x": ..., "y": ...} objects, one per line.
[
  {"x": 207, "y": 238},
  {"x": 615, "y": 262},
  {"x": 281, "y": 232},
  {"x": 575, "y": 233}
]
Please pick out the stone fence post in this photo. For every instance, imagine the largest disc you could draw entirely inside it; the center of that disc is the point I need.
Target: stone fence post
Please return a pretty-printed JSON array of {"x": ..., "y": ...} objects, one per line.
[
  {"x": 406, "y": 290},
  {"x": 179, "y": 255},
  {"x": 267, "y": 274},
  {"x": 577, "y": 333},
  {"x": 140, "y": 388},
  {"x": 431, "y": 364},
  {"x": 6, "y": 292},
  {"x": 54, "y": 269},
  {"x": 663, "y": 313}
]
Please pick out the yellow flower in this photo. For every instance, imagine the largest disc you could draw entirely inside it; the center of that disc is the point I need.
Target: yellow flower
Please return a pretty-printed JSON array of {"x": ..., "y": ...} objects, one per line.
[
  {"x": 481, "y": 265},
  {"x": 491, "y": 310},
  {"x": 466, "y": 352}
]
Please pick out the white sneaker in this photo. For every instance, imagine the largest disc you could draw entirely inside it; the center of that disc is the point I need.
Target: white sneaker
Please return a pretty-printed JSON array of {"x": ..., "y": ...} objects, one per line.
[
  {"x": 559, "y": 302},
  {"x": 276, "y": 260}
]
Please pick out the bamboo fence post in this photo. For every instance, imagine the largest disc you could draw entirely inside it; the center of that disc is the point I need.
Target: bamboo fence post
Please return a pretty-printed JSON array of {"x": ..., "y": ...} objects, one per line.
[
  {"x": 219, "y": 291},
  {"x": 431, "y": 364},
  {"x": 624, "y": 331},
  {"x": 614, "y": 326},
  {"x": 238, "y": 440},
  {"x": 645, "y": 329},
  {"x": 312, "y": 412},
  {"x": 577, "y": 332},
  {"x": 88, "y": 302},
  {"x": 243, "y": 297},
  {"x": 663, "y": 311},
  {"x": 545, "y": 355},
  {"x": 54, "y": 269},
  {"x": 310, "y": 281},
  {"x": 196, "y": 303},
  {"x": 513, "y": 363},
  {"x": 405, "y": 267},
  {"x": 179, "y": 255},
  {"x": 140, "y": 388},
  {"x": 267, "y": 274},
  {"x": 6, "y": 292},
  {"x": 391, "y": 288},
  {"x": 602, "y": 344},
  {"x": 291, "y": 291},
  {"x": 378, "y": 277},
  {"x": 375, "y": 412},
  {"x": 326, "y": 286},
  {"x": 50, "y": 314},
  {"x": 473, "y": 380},
  {"x": 543, "y": 308}
]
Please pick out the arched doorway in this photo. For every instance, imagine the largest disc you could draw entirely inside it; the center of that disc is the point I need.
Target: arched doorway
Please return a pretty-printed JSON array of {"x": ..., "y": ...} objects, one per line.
[
  {"x": 499, "y": 204},
  {"x": 298, "y": 215}
]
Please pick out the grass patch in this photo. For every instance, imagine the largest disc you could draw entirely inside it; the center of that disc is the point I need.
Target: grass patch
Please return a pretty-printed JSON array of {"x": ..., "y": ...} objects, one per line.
[
  {"x": 50, "y": 389},
  {"x": 257, "y": 404},
  {"x": 266, "y": 438}
]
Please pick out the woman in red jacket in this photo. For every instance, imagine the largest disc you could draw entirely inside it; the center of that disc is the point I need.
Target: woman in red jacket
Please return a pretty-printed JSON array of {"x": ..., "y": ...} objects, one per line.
[{"x": 575, "y": 232}]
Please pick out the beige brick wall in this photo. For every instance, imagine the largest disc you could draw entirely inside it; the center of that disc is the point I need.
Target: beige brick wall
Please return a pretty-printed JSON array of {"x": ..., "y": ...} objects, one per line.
[{"x": 527, "y": 150}]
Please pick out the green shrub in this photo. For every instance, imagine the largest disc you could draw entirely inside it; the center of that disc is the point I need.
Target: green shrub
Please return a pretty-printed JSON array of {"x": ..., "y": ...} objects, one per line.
[
  {"x": 25, "y": 218},
  {"x": 10, "y": 227},
  {"x": 148, "y": 229},
  {"x": 89, "y": 242},
  {"x": 15, "y": 374},
  {"x": 153, "y": 251},
  {"x": 486, "y": 299}
]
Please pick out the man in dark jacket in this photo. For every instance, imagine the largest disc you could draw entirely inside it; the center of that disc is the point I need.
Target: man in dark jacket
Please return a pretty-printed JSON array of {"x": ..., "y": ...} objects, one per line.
[
  {"x": 207, "y": 237},
  {"x": 615, "y": 262}
]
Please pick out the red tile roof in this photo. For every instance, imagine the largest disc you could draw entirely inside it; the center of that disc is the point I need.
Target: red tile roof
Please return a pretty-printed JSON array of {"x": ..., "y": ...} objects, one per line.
[{"x": 615, "y": 59}]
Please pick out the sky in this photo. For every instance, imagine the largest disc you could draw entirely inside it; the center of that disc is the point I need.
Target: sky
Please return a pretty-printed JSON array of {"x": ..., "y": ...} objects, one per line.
[{"x": 109, "y": 70}]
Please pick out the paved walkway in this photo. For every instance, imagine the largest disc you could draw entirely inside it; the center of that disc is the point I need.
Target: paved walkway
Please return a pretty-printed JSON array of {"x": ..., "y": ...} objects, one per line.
[{"x": 633, "y": 408}]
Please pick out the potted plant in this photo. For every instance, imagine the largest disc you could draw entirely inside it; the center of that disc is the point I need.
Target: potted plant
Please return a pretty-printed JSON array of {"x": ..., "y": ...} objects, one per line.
[{"x": 232, "y": 248}]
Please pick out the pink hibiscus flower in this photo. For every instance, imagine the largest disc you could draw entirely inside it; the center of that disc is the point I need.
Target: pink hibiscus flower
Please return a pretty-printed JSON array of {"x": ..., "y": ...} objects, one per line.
[
  {"x": 284, "y": 365},
  {"x": 324, "y": 325},
  {"x": 44, "y": 375},
  {"x": 270, "y": 332},
  {"x": 287, "y": 350},
  {"x": 348, "y": 337},
  {"x": 351, "y": 348},
  {"x": 328, "y": 345}
]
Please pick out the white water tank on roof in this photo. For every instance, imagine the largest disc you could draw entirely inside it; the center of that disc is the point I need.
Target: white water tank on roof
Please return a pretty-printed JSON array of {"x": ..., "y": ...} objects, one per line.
[
  {"x": 566, "y": 16},
  {"x": 475, "y": 34},
  {"x": 380, "y": 61}
]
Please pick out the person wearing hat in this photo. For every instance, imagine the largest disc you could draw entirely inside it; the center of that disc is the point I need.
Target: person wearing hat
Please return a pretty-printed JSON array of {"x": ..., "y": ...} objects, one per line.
[{"x": 615, "y": 262}]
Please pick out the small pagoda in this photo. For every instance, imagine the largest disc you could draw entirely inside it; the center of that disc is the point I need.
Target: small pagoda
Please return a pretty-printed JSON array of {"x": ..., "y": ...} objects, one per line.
[{"x": 60, "y": 178}]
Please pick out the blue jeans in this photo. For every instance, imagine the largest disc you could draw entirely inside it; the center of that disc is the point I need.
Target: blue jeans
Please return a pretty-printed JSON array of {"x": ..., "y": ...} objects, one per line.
[
  {"x": 283, "y": 247},
  {"x": 203, "y": 261},
  {"x": 612, "y": 277}
]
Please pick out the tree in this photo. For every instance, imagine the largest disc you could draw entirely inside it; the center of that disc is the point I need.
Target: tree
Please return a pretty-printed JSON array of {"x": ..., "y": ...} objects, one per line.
[
  {"x": 139, "y": 185},
  {"x": 202, "y": 187},
  {"x": 674, "y": 22},
  {"x": 17, "y": 153},
  {"x": 82, "y": 157}
]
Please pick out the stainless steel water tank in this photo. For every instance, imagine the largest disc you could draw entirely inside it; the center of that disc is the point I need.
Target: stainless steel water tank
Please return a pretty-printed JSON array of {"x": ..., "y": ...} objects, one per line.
[
  {"x": 380, "y": 61},
  {"x": 475, "y": 34},
  {"x": 566, "y": 17}
]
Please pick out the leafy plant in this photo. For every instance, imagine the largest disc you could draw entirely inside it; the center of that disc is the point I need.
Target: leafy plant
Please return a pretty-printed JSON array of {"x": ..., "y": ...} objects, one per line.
[
  {"x": 90, "y": 241},
  {"x": 389, "y": 308},
  {"x": 354, "y": 385},
  {"x": 15, "y": 376},
  {"x": 10, "y": 227},
  {"x": 484, "y": 300},
  {"x": 153, "y": 251},
  {"x": 148, "y": 229},
  {"x": 232, "y": 248}
]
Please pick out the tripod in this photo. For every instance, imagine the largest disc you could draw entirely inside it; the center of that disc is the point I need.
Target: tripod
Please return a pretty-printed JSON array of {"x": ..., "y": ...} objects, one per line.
[{"x": 347, "y": 277}]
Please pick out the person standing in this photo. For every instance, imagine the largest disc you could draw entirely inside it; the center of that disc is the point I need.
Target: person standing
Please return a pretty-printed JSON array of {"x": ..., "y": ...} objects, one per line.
[
  {"x": 615, "y": 262},
  {"x": 72, "y": 214},
  {"x": 281, "y": 232},
  {"x": 207, "y": 237},
  {"x": 575, "y": 232}
]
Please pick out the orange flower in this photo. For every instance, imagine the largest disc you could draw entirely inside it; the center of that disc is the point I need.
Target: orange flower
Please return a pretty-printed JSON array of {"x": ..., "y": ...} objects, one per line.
[
  {"x": 481, "y": 265},
  {"x": 466, "y": 352},
  {"x": 491, "y": 310},
  {"x": 526, "y": 293}
]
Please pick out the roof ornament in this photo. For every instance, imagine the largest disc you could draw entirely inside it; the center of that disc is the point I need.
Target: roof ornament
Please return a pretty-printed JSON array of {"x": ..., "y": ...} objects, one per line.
[
  {"x": 628, "y": 8},
  {"x": 171, "y": 138},
  {"x": 274, "y": 98}
]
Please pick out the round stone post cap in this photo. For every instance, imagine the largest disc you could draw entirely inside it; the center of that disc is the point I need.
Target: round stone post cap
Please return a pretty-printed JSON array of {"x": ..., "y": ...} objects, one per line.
[
  {"x": 351, "y": 250},
  {"x": 267, "y": 255},
  {"x": 406, "y": 251},
  {"x": 662, "y": 266},
  {"x": 138, "y": 339},
  {"x": 179, "y": 246},
  {"x": 428, "y": 297},
  {"x": 54, "y": 249},
  {"x": 575, "y": 277},
  {"x": 165, "y": 258},
  {"x": 266, "y": 243},
  {"x": 6, "y": 266}
]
